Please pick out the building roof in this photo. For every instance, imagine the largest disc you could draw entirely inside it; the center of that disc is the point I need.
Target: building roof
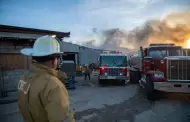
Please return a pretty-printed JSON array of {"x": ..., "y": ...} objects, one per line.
[{"x": 22, "y": 30}]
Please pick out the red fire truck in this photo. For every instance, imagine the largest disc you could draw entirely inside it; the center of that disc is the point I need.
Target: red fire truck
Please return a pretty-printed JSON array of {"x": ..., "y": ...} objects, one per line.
[
  {"x": 112, "y": 66},
  {"x": 161, "y": 67}
]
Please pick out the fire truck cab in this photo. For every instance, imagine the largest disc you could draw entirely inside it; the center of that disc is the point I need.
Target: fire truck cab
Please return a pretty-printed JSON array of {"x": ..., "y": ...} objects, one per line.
[
  {"x": 161, "y": 67},
  {"x": 112, "y": 66}
]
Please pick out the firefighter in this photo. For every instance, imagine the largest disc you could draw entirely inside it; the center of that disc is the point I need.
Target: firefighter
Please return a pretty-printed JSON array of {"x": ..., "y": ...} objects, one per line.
[
  {"x": 41, "y": 95},
  {"x": 86, "y": 72}
]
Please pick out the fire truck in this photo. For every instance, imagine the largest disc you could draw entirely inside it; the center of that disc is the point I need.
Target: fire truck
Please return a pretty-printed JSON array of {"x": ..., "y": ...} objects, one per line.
[
  {"x": 161, "y": 67},
  {"x": 112, "y": 67}
]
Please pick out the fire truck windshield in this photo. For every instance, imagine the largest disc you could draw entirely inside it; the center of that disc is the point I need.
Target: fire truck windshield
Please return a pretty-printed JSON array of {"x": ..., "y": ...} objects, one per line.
[
  {"x": 162, "y": 52},
  {"x": 118, "y": 61}
]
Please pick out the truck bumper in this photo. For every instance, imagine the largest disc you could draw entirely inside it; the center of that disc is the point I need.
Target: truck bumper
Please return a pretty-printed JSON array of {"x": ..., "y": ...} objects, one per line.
[
  {"x": 167, "y": 86},
  {"x": 112, "y": 77}
]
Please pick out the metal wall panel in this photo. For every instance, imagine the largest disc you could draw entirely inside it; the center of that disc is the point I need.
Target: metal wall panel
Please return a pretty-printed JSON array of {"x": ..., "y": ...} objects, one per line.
[
  {"x": 89, "y": 55},
  {"x": 86, "y": 55},
  {"x": 19, "y": 35},
  {"x": 69, "y": 47}
]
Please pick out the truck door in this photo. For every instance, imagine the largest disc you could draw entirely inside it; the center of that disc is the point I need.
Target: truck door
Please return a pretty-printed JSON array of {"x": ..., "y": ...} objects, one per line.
[{"x": 71, "y": 56}]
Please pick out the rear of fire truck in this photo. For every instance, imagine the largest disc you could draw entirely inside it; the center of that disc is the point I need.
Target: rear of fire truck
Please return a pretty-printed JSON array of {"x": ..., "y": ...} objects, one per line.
[
  {"x": 112, "y": 67},
  {"x": 163, "y": 68}
]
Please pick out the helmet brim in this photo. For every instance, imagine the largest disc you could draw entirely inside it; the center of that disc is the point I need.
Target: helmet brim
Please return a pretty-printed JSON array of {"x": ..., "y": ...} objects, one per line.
[{"x": 30, "y": 52}]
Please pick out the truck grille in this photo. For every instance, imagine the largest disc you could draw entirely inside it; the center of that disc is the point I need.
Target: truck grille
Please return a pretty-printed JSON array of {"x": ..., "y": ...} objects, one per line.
[
  {"x": 178, "y": 69},
  {"x": 113, "y": 71}
]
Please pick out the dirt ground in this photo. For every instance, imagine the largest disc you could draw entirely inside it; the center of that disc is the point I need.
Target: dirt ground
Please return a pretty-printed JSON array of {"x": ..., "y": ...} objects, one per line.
[{"x": 92, "y": 103}]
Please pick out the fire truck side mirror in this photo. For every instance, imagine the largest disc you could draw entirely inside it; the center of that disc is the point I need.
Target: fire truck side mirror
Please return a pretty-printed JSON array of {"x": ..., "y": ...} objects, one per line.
[{"x": 139, "y": 54}]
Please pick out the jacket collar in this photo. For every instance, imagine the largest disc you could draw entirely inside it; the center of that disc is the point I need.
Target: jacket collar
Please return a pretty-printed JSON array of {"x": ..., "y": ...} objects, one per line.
[{"x": 42, "y": 68}]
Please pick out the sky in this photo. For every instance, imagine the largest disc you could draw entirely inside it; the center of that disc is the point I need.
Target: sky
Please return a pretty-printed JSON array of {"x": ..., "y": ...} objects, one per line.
[{"x": 80, "y": 16}]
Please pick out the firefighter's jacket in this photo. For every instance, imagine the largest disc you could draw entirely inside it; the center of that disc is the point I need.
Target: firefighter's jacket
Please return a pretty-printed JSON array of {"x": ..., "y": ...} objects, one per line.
[
  {"x": 62, "y": 76},
  {"x": 42, "y": 97},
  {"x": 86, "y": 70}
]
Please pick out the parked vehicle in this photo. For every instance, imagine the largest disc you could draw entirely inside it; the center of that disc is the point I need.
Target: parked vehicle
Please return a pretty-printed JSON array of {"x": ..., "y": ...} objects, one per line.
[
  {"x": 112, "y": 66},
  {"x": 69, "y": 67},
  {"x": 161, "y": 67}
]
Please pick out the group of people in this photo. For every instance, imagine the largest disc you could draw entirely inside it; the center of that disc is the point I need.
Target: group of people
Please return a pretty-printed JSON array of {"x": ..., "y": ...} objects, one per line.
[{"x": 42, "y": 97}]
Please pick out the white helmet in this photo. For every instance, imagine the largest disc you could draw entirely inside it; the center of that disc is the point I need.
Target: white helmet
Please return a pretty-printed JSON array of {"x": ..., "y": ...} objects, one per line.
[{"x": 43, "y": 46}]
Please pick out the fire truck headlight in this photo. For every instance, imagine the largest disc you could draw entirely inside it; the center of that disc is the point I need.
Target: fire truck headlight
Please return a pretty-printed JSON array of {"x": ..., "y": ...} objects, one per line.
[
  {"x": 121, "y": 74},
  {"x": 162, "y": 62},
  {"x": 159, "y": 75},
  {"x": 105, "y": 73}
]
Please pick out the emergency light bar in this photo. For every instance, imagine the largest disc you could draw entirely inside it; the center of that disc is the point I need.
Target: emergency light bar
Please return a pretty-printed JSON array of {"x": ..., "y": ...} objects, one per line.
[
  {"x": 168, "y": 44},
  {"x": 112, "y": 52},
  {"x": 106, "y": 52}
]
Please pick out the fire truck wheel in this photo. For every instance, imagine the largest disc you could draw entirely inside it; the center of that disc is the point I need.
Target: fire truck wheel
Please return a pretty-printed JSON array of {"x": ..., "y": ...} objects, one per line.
[
  {"x": 100, "y": 82},
  {"x": 123, "y": 82},
  {"x": 131, "y": 77},
  {"x": 134, "y": 77},
  {"x": 150, "y": 92}
]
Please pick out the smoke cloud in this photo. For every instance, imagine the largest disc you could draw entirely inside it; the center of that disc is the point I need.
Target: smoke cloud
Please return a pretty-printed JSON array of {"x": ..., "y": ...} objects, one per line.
[{"x": 173, "y": 28}]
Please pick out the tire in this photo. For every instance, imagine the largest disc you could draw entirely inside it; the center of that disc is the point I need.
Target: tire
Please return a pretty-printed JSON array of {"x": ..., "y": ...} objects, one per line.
[
  {"x": 151, "y": 94},
  {"x": 123, "y": 82},
  {"x": 100, "y": 82},
  {"x": 131, "y": 77},
  {"x": 134, "y": 77},
  {"x": 137, "y": 76}
]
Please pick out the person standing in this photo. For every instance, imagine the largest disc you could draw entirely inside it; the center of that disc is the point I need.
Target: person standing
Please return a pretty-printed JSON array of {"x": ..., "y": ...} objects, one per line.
[
  {"x": 41, "y": 95},
  {"x": 86, "y": 72}
]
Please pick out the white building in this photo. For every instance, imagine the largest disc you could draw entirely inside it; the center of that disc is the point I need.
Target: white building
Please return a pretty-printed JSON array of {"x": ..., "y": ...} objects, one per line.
[{"x": 85, "y": 55}]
